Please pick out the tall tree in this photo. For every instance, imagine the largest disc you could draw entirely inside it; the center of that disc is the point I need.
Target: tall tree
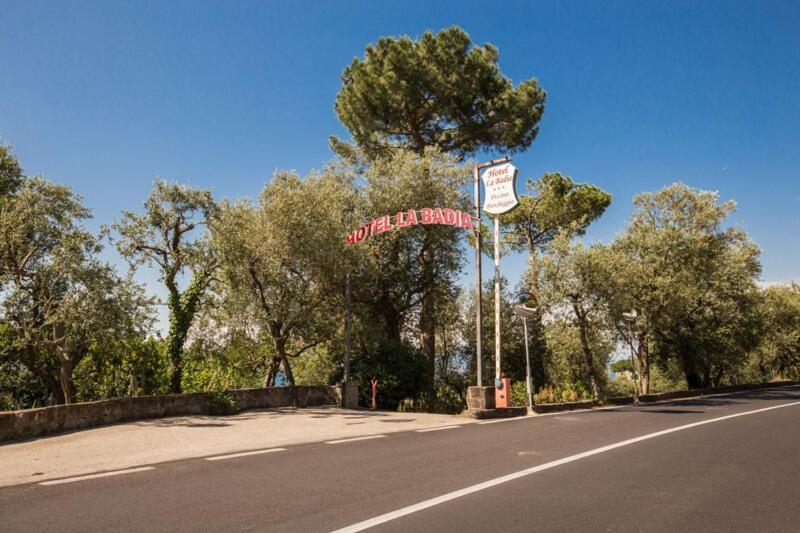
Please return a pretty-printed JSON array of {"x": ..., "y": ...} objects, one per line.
[
  {"x": 283, "y": 256},
  {"x": 439, "y": 91},
  {"x": 569, "y": 277},
  {"x": 166, "y": 234},
  {"x": 58, "y": 297},
  {"x": 554, "y": 206},
  {"x": 698, "y": 290}
]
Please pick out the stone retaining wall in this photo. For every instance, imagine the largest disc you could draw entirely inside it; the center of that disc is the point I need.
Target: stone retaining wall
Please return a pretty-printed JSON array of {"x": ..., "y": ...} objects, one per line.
[
  {"x": 30, "y": 423},
  {"x": 624, "y": 400}
]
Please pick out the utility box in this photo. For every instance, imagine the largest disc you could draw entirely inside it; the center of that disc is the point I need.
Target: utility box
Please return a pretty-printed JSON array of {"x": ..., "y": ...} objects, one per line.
[{"x": 502, "y": 394}]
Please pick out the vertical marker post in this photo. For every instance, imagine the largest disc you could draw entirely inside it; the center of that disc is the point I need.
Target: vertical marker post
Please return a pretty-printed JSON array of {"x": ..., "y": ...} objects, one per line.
[
  {"x": 478, "y": 287},
  {"x": 496, "y": 302}
]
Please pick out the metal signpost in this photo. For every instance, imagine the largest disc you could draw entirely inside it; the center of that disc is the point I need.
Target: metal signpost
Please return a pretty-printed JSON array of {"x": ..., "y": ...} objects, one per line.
[
  {"x": 523, "y": 311},
  {"x": 478, "y": 267},
  {"x": 499, "y": 180}
]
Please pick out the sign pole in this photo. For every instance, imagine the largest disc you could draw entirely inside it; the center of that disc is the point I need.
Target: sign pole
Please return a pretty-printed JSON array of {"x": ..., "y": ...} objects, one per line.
[
  {"x": 478, "y": 288},
  {"x": 496, "y": 302},
  {"x": 347, "y": 330},
  {"x": 527, "y": 363}
]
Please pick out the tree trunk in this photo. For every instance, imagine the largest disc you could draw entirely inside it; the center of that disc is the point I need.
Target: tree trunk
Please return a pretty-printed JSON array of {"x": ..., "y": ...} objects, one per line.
[
  {"x": 176, "y": 338},
  {"x": 52, "y": 384},
  {"x": 587, "y": 352},
  {"x": 644, "y": 363},
  {"x": 287, "y": 371},
  {"x": 65, "y": 374},
  {"x": 182, "y": 308},
  {"x": 427, "y": 315},
  {"x": 391, "y": 317},
  {"x": 693, "y": 378},
  {"x": 538, "y": 350},
  {"x": 279, "y": 339},
  {"x": 271, "y": 372}
]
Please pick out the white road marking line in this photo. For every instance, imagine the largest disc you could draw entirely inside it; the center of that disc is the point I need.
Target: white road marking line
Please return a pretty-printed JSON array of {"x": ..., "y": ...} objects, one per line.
[
  {"x": 498, "y": 420},
  {"x": 354, "y": 439},
  {"x": 244, "y": 454},
  {"x": 382, "y": 519},
  {"x": 436, "y": 429},
  {"x": 95, "y": 476}
]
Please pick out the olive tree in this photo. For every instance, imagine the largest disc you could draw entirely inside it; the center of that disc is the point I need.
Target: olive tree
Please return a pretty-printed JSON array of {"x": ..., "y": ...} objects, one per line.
[
  {"x": 166, "y": 234},
  {"x": 58, "y": 297},
  {"x": 283, "y": 256},
  {"x": 696, "y": 281}
]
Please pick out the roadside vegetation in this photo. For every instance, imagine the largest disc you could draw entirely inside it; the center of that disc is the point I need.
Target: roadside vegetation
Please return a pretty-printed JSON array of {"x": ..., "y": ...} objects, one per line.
[{"x": 255, "y": 287}]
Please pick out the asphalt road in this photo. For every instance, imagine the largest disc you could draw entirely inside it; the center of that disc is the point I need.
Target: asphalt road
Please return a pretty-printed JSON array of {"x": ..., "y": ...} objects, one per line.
[{"x": 727, "y": 463}]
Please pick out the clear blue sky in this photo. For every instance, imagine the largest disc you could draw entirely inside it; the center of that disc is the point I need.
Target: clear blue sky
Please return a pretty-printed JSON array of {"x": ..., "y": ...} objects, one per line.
[{"x": 103, "y": 96}]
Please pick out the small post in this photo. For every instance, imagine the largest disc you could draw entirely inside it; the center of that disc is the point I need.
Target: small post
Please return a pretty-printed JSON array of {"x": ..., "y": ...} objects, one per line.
[
  {"x": 347, "y": 330},
  {"x": 527, "y": 363}
]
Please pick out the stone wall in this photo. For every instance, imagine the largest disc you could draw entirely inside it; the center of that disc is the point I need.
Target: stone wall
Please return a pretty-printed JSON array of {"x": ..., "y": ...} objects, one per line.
[
  {"x": 660, "y": 397},
  {"x": 30, "y": 423}
]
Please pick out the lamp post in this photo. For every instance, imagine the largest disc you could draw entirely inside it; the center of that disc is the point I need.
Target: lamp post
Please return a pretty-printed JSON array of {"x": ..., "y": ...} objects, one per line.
[
  {"x": 630, "y": 318},
  {"x": 522, "y": 310}
]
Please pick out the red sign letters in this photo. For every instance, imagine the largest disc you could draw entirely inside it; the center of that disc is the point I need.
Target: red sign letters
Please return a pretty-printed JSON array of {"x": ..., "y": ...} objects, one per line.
[{"x": 426, "y": 215}]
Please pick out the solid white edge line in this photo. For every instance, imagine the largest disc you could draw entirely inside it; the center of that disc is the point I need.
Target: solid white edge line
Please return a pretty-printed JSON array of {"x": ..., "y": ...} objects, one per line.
[
  {"x": 354, "y": 439},
  {"x": 372, "y": 522},
  {"x": 99, "y": 475},
  {"x": 244, "y": 454},
  {"x": 436, "y": 429}
]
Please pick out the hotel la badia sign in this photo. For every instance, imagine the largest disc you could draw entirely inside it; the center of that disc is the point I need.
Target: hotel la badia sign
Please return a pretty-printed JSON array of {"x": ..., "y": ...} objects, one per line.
[{"x": 412, "y": 217}]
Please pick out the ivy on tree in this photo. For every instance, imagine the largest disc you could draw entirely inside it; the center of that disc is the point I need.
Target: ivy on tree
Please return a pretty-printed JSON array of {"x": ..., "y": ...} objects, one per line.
[{"x": 163, "y": 235}]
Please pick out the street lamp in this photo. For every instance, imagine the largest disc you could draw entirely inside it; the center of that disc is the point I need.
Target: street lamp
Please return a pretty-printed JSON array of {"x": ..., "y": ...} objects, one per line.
[
  {"x": 630, "y": 317},
  {"x": 524, "y": 309}
]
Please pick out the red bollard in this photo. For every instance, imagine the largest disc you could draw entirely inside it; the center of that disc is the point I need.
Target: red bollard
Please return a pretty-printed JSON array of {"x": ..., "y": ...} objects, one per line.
[{"x": 502, "y": 395}]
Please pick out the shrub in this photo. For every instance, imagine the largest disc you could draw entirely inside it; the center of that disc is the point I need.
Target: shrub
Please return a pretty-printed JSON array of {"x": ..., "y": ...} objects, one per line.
[{"x": 222, "y": 402}]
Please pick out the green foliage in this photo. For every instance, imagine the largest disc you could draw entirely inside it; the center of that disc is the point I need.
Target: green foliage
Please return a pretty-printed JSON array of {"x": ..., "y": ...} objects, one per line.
[
  {"x": 58, "y": 298},
  {"x": 283, "y": 259},
  {"x": 623, "y": 365},
  {"x": 693, "y": 281},
  {"x": 316, "y": 367},
  {"x": 222, "y": 403},
  {"x": 10, "y": 171},
  {"x": 129, "y": 367},
  {"x": 554, "y": 206},
  {"x": 779, "y": 351},
  {"x": 163, "y": 236},
  {"x": 402, "y": 372},
  {"x": 437, "y": 91},
  {"x": 564, "y": 393}
]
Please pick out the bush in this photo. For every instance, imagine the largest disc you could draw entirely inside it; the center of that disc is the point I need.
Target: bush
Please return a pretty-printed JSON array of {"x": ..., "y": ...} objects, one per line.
[
  {"x": 574, "y": 392},
  {"x": 519, "y": 394},
  {"x": 222, "y": 402},
  {"x": 402, "y": 371}
]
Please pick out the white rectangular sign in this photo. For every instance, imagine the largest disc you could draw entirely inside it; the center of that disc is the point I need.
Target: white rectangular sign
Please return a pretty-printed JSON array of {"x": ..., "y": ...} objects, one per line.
[{"x": 501, "y": 189}]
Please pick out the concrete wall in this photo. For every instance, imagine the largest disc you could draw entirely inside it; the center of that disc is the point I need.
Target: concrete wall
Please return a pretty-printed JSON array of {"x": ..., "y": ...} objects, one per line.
[{"x": 30, "y": 423}]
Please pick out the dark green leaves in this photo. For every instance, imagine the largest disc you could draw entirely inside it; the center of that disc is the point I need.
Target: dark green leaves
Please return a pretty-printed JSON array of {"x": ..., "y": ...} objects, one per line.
[{"x": 438, "y": 91}]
